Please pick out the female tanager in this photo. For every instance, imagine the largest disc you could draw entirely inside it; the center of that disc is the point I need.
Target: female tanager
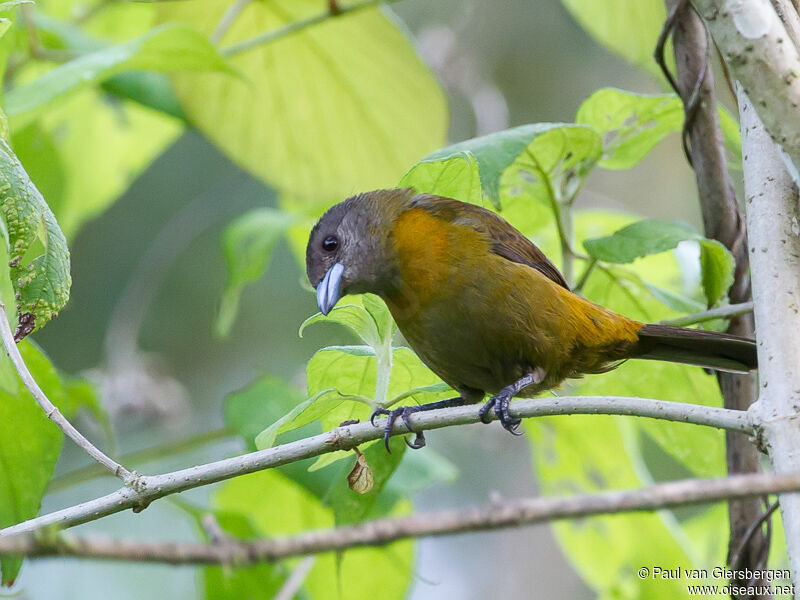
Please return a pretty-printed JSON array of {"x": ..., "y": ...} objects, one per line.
[{"x": 481, "y": 305}]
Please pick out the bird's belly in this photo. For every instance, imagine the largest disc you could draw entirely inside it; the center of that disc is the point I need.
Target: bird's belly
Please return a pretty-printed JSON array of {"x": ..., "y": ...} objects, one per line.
[{"x": 465, "y": 357}]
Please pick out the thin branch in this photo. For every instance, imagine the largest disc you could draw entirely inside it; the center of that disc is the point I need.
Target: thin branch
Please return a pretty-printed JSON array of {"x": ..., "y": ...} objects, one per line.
[
  {"x": 146, "y": 489},
  {"x": 50, "y": 409},
  {"x": 295, "y": 580},
  {"x": 496, "y": 515},
  {"x": 585, "y": 276},
  {"x": 228, "y": 18},
  {"x": 297, "y": 26},
  {"x": 723, "y": 312}
]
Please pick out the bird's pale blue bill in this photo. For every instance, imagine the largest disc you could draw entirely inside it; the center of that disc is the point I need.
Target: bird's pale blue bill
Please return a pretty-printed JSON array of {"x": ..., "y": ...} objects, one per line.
[{"x": 329, "y": 289}]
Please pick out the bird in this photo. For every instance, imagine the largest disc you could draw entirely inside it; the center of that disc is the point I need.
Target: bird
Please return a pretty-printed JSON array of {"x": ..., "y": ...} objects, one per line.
[{"x": 481, "y": 304}]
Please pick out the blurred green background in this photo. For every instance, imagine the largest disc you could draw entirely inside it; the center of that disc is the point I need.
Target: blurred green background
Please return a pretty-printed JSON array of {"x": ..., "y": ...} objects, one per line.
[{"x": 503, "y": 63}]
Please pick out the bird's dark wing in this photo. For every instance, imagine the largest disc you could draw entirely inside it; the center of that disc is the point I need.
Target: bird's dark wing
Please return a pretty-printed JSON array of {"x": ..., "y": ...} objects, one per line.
[{"x": 504, "y": 239}]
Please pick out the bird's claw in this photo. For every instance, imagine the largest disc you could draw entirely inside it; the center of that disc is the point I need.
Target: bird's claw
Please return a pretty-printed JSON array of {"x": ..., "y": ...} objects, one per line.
[
  {"x": 391, "y": 416},
  {"x": 500, "y": 403}
]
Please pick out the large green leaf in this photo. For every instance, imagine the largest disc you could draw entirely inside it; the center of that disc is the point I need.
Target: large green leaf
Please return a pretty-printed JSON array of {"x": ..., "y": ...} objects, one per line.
[
  {"x": 167, "y": 48},
  {"x": 29, "y": 445},
  {"x": 651, "y": 236},
  {"x": 628, "y": 27},
  {"x": 247, "y": 244},
  {"x": 584, "y": 454},
  {"x": 37, "y": 249},
  {"x": 84, "y": 153},
  {"x": 551, "y": 158},
  {"x": 250, "y": 410},
  {"x": 285, "y": 508},
  {"x": 631, "y": 125},
  {"x": 341, "y": 106}
]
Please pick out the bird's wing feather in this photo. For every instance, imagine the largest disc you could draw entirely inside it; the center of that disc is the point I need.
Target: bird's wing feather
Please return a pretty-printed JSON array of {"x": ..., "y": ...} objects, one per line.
[{"x": 504, "y": 240}]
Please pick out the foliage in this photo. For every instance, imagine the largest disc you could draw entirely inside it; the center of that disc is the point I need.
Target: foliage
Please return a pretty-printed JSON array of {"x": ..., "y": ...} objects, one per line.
[
  {"x": 633, "y": 37},
  {"x": 318, "y": 106}
]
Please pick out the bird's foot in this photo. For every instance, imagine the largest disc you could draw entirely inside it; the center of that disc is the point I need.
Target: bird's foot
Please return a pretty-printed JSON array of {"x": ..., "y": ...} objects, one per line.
[
  {"x": 502, "y": 399},
  {"x": 500, "y": 404},
  {"x": 403, "y": 413},
  {"x": 391, "y": 416}
]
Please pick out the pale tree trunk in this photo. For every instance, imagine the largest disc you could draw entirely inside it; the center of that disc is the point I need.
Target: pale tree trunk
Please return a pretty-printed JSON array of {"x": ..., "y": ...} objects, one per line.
[{"x": 774, "y": 239}]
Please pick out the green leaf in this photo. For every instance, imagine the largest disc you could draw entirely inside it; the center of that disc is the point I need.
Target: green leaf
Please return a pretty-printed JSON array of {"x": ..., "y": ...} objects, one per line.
[
  {"x": 455, "y": 177},
  {"x": 342, "y": 384},
  {"x": 165, "y": 48},
  {"x": 548, "y": 156},
  {"x": 717, "y": 265},
  {"x": 284, "y": 509},
  {"x": 68, "y": 155},
  {"x": 39, "y": 258},
  {"x": 254, "y": 408},
  {"x": 365, "y": 315},
  {"x": 651, "y": 236},
  {"x": 631, "y": 124},
  {"x": 317, "y": 106},
  {"x": 355, "y": 376},
  {"x": 29, "y": 447},
  {"x": 247, "y": 244},
  {"x": 149, "y": 89},
  {"x": 302, "y": 414},
  {"x": 648, "y": 236},
  {"x": 570, "y": 458},
  {"x": 633, "y": 37}
]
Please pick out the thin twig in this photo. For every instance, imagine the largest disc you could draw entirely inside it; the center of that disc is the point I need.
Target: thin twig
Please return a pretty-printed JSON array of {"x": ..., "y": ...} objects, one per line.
[
  {"x": 723, "y": 312},
  {"x": 151, "y": 488},
  {"x": 296, "y": 579},
  {"x": 93, "y": 471},
  {"x": 228, "y": 18},
  {"x": 496, "y": 515},
  {"x": 585, "y": 276},
  {"x": 50, "y": 409},
  {"x": 296, "y": 26}
]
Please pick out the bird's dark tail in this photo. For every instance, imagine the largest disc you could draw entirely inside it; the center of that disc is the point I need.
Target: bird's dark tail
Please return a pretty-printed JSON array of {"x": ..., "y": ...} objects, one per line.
[{"x": 709, "y": 349}]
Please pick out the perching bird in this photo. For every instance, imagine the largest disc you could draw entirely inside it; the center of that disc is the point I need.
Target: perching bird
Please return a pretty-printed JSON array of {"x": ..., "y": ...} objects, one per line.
[{"x": 481, "y": 305}]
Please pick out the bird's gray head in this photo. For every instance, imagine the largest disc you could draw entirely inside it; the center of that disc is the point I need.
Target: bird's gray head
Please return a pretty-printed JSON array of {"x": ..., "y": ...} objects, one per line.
[{"x": 347, "y": 249}]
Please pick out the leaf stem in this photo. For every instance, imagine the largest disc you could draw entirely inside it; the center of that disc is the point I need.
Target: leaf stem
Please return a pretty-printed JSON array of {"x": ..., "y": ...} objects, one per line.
[
  {"x": 296, "y": 26},
  {"x": 585, "y": 276},
  {"x": 723, "y": 312},
  {"x": 139, "y": 457},
  {"x": 228, "y": 19}
]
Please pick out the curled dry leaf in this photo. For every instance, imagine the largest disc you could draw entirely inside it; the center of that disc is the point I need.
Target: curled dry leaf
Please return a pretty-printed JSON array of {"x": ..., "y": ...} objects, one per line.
[{"x": 360, "y": 479}]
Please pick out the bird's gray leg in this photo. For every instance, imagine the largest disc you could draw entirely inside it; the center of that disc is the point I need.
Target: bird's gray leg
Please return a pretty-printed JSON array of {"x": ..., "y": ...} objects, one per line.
[
  {"x": 404, "y": 412},
  {"x": 502, "y": 399}
]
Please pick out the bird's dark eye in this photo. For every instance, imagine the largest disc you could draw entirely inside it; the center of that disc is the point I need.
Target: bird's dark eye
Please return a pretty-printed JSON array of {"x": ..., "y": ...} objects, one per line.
[{"x": 330, "y": 243}]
